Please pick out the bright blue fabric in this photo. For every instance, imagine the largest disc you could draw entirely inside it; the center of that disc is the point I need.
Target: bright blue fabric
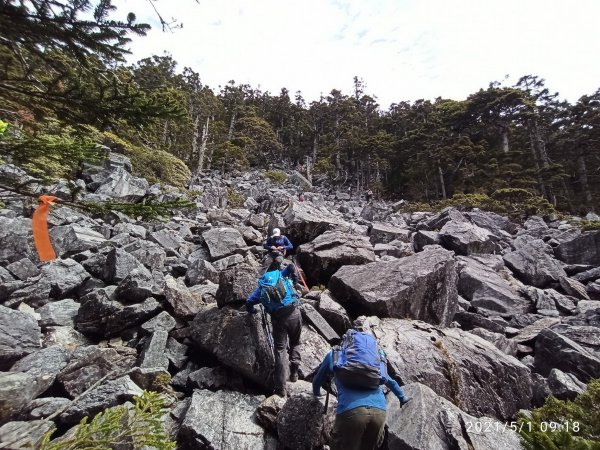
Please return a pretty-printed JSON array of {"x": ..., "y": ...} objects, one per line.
[
  {"x": 350, "y": 398},
  {"x": 278, "y": 241},
  {"x": 359, "y": 350},
  {"x": 270, "y": 307}
]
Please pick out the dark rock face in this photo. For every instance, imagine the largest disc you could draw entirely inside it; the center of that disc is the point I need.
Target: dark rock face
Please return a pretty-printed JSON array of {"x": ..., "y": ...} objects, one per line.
[
  {"x": 16, "y": 240},
  {"x": 429, "y": 422},
  {"x": 334, "y": 313},
  {"x": 383, "y": 233},
  {"x": 555, "y": 351},
  {"x": 586, "y": 336},
  {"x": 223, "y": 420},
  {"x": 215, "y": 378},
  {"x": 533, "y": 263},
  {"x": 422, "y": 286},
  {"x": 457, "y": 365},
  {"x": 466, "y": 239},
  {"x": 217, "y": 331},
  {"x": 323, "y": 256},
  {"x": 109, "y": 394},
  {"x": 89, "y": 364},
  {"x": 302, "y": 425},
  {"x": 101, "y": 315},
  {"x": 423, "y": 238},
  {"x": 305, "y": 222},
  {"x": 20, "y": 335},
  {"x": 583, "y": 249},
  {"x": 236, "y": 284},
  {"x": 564, "y": 386}
]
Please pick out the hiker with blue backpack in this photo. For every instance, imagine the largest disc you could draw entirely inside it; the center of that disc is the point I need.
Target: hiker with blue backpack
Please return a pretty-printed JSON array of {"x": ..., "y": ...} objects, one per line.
[
  {"x": 278, "y": 298},
  {"x": 359, "y": 368}
]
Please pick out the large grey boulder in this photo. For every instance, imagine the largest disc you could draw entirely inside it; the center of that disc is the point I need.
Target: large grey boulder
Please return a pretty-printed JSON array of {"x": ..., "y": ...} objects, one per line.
[
  {"x": 73, "y": 238},
  {"x": 200, "y": 271},
  {"x": 529, "y": 333},
  {"x": 170, "y": 240},
  {"x": 534, "y": 264},
  {"x": 564, "y": 386},
  {"x": 237, "y": 339},
  {"x": 429, "y": 422},
  {"x": 22, "y": 269},
  {"x": 297, "y": 179},
  {"x": 122, "y": 186},
  {"x": 504, "y": 344},
  {"x": 90, "y": 364},
  {"x": 148, "y": 253},
  {"x": 20, "y": 335},
  {"x": 466, "y": 239},
  {"x": 106, "y": 395},
  {"x": 555, "y": 351},
  {"x": 302, "y": 423},
  {"x": 422, "y": 286},
  {"x": 487, "y": 290},
  {"x": 215, "y": 378},
  {"x": 43, "y": 366},
  {"x": 422, "y": 238},
  {"x": 21, "y": 434},
  {"x": 223, "y": 241},
  {"x": 492, "y": 222},
  {"x": 16, "y": 390},
  {"x": 138, "y": 285},
  {"x": 440, "y": 219},
  {"x": 583, "y": 249},
  {"x": 223, "y": 420},
  {"x": 16, "y": 240},
  {"x": 457, "y": 365},
  {"x": 323, "y": 256},
  {"x": 186, "y": 302},
  {"x": 586, "y": 336},
  {"x": 383, "y": 233},
  {"x": 119, "y": 264}
]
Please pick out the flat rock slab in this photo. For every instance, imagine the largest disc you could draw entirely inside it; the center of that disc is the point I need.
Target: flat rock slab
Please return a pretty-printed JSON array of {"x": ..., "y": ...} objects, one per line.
[
  {"x": 223, "y": 420},
  {"x": 223, "y": 241}
]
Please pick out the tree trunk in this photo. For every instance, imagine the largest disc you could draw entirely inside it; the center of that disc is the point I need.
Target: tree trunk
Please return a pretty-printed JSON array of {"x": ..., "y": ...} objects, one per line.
[
  {"x": 583, "y": 178},
  {"x": 195, "y": 135},
  {"x": 308, "y": 169},
  {"x": 202, "y": 151},
  {"x": 442, "y": 184},
  {"x": 536, "y": 159},
  {"x": 231, "y": 125},
  {"x": 165, "y": 133},
  {"x": 505, "y": 145}
]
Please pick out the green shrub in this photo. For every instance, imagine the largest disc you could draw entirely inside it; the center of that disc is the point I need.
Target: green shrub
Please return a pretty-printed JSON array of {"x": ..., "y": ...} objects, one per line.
[
  {"x": 235, "y": 199},
  {"x": 154, "y": 165},
  {"x": 515, "y": 203},
  {"x": 137, "y": 427},
  {"x": 323, "y": 166},
  {"x": 564, "y": 425},
  {"x": 589, "y": 225},
  {"x": 276, "y": 176}
]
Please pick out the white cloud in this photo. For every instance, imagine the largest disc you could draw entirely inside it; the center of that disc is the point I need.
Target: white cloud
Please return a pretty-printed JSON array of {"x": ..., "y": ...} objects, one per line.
[{"x": 403, "y": 49}]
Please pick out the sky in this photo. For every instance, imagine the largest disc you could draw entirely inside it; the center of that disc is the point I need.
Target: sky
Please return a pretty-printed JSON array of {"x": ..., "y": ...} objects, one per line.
[{"x": 404, "y": 50}]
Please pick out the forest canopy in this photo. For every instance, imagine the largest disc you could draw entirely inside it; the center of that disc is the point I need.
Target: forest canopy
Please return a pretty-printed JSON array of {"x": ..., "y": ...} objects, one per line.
[{"x": 63, "y": 77}]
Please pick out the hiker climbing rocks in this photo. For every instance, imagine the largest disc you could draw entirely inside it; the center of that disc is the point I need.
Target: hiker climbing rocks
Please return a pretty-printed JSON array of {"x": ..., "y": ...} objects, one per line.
[
  {"x": 301, "y": 196},
  {"x": 278, "y": 298},
  {"x": 277, "y": 247},
  {"x": 359, "y": 368}
]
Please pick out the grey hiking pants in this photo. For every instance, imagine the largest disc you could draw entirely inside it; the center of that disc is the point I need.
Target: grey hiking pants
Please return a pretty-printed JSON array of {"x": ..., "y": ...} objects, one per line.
[
  {"x": 360, "y": 428},
  {"x": 286, "y": 324}
]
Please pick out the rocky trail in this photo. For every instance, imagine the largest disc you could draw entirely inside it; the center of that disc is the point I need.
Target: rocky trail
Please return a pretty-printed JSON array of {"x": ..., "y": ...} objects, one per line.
[{"x": 480, "y": 317}]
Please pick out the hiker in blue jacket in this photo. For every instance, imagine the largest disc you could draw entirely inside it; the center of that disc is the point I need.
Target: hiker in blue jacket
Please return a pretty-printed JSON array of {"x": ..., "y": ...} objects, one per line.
[
  {"x": 361, "y": 413},
  {"x": 277, "y": 247},
  {"x": 285, "y": 318}
]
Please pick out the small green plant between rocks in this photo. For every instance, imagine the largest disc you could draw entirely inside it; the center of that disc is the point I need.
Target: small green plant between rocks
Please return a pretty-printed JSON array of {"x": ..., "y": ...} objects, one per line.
[
  {"x": 276, "y": 176},
  {"x": 137, "y": 427},
  {"x": 235, "y": 199}
]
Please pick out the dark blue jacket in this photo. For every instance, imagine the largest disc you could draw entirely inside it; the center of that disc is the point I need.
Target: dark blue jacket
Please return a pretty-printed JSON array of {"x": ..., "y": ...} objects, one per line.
[
  {"x": 278, "y": 241},
  {"x": 255, "y": 297},
  {"x": 350, "y": 398}
]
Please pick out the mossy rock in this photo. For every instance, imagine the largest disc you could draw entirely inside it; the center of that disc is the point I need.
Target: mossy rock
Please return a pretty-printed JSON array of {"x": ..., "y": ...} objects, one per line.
[{"x": 276, "y": 176}]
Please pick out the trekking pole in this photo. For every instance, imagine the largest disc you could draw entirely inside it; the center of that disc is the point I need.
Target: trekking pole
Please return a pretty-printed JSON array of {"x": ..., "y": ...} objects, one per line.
[
  {"x": 267, "y": 331},
  {"x": 300, "y": 272}
]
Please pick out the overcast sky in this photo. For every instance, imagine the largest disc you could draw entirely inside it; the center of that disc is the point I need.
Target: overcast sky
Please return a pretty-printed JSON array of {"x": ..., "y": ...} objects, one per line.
[{"x": 402, "y": 49}]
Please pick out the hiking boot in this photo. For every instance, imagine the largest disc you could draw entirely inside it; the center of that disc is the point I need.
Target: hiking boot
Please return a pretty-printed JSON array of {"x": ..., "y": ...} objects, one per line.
[
  {"x": 280, "y": 392},
  {"x": 294, "y": 374},
  {"x": 303, "y": 291}
]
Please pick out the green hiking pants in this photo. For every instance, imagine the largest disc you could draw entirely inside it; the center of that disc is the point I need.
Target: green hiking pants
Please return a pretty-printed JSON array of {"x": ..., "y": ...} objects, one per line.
[{"x": 358, "y": 429}]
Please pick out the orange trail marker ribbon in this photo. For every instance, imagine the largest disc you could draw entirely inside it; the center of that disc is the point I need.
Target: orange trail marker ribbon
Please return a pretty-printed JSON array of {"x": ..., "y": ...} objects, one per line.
[{"x": 39, "y": 225}]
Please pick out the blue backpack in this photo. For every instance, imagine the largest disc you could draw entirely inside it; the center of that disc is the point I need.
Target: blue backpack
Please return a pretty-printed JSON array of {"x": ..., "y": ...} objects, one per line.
[
  {"x": 276, "y": 291},
  {"x": 359, "y": 362}
]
